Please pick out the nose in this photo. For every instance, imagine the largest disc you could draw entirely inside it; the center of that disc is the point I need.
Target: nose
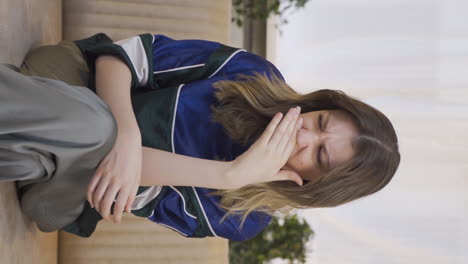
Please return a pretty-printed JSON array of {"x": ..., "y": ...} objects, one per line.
[{"x": 307, "y": 137}]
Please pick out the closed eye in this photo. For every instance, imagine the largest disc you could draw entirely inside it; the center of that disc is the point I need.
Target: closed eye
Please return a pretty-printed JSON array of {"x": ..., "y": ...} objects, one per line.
[
  {"x": 320, "y": 122},
  {"x": 319, "y": 151},
  {"x": 319, "y": 154}
]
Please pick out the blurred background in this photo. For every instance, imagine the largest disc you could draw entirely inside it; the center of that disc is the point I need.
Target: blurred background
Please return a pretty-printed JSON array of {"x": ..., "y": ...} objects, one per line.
[{"x": 409, "y": 59}]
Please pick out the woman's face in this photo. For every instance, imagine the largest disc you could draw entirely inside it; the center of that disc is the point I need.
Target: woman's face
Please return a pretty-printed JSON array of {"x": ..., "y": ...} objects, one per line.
[{"x": 323, "y": 143}]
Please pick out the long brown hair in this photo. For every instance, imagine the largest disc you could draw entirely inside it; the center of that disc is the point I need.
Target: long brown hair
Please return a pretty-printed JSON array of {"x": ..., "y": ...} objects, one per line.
[{"x": 245, "y": 107}]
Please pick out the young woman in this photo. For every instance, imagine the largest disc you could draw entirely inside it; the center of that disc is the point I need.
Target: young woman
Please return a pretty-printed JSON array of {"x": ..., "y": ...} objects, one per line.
[{"x": 216, "y": 108}]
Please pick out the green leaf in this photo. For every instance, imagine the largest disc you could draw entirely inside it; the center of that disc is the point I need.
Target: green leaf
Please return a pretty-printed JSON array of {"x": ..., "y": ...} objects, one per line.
[
  {"x": 285, "y": 241},
  {"x": 262, "y": 9}
]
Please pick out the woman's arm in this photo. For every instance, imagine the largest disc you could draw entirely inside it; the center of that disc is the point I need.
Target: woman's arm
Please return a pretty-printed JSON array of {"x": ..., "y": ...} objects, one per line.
[
  {"x": 117, "y": 176},
  {"x": 159, "y": 167},
  {"x": 113, "y": 81},
  {"x": 262, "y": 162},
  {"x": 165, "y": 168}
]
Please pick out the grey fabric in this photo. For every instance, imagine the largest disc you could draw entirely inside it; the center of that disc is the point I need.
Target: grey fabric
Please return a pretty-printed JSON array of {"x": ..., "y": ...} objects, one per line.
[
  {"x": 11, "y": 66},
  {"x": 52, "y": 138}
]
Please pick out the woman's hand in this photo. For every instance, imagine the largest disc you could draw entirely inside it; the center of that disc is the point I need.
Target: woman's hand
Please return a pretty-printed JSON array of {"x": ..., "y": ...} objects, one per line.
[
  {"x": 263, "y": 161},
  {"x": 119, "y": 172}
]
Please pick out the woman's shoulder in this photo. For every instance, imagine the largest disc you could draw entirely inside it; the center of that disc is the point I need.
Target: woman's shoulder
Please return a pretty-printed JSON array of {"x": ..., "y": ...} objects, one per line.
[
  {"x": 205, "y": 60},
  {"x": 248, "y": 63}
]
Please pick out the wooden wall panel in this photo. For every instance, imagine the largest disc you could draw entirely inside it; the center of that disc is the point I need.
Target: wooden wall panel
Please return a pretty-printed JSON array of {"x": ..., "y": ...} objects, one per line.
[
  {"x": 179, "y": 19},
  {"x": 139, "y": 241},
  {"x": 20, "y": 240},
  {"x": 25, "y": 24}
]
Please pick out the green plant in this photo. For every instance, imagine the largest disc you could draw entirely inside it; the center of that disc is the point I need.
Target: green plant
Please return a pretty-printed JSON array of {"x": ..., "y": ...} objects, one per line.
[
  {"x": 284, "y": 238},
  {"x": 262, "y": 9}
]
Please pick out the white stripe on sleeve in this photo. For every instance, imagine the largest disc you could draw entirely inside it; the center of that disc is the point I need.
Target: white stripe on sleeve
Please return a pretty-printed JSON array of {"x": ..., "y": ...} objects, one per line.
[
  {"x": 137, "y": 54},
  {"x": 145, "y": 197}
]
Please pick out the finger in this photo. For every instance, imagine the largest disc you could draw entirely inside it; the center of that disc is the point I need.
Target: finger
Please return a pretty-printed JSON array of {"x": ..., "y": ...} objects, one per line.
[
  {"x": 289, "y": 175},
  {"x": 270, "y": 129},
  {"x": 281, "y": 129},
  {"x": 133, "y": 192},
  {"x": 107, "y": 201},
  {"x": 92, "y": 186},
  {"x": 289, "y": 133},
  {"x": 119, "y": 205},
  {"x": 292, "y": 140},
  {"x": 131, "y": 199},
  {"x": 99, "y": 192}
]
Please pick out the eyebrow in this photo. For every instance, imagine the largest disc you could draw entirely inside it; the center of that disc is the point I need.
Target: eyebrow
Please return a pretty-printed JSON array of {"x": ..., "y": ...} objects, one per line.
[{"x": 324, "y": 149}]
